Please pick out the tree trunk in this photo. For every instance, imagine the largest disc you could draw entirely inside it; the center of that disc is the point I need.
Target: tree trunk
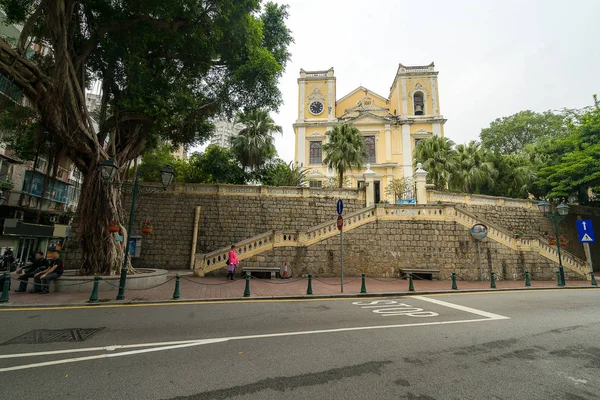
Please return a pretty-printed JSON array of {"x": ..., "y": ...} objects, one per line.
[
  {"x": 99, "y": 203},
  {"x": 341, "y": 179}
]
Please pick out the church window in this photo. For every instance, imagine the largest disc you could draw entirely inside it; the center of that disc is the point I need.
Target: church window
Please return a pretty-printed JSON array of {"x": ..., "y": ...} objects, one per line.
[
  {"x": 316, "y": 152},
  {"x": 316, "y": 184},
  {"x": 370, "y": 148},
  {"x": 419, "y": 103},
  {"x": 417, "y": 141}
]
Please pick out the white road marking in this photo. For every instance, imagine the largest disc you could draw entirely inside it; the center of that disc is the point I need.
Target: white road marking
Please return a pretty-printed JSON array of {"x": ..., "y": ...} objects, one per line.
[
  {"x": 217, "y": 340},
  {"x": 461, "y": 308}
]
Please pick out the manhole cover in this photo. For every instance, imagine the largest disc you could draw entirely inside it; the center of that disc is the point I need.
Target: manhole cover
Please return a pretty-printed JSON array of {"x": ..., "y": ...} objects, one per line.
[{"x": 39, "y": 336}]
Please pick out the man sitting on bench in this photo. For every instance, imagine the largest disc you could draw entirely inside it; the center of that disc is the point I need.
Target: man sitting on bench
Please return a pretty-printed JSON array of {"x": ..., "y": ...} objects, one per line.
[
  {"x": 42, "y": 279},
  {"x": 39, "y": 264}
]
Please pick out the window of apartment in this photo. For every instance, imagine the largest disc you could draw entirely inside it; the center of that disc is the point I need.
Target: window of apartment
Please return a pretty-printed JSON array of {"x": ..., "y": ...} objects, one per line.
[
  {"x": 316, "y": 184},
  {"x": 370, "y": 148},
  {"x": 417, "y": 141},
  {"x": 316, "y": 153}
]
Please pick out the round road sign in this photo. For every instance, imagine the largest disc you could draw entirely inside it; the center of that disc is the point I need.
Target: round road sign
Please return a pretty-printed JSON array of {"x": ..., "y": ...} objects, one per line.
[{"x": 340, "y": 222}]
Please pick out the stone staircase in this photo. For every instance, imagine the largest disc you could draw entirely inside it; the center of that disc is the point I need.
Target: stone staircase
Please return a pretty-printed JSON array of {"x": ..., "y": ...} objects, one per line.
[{"x": 205, "y": 263}]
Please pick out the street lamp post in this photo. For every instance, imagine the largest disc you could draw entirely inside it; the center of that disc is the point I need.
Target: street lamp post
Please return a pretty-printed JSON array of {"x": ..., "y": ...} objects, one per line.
[
  {"x": 108, "y": 170},
  {"x": 556, "y": 215}
]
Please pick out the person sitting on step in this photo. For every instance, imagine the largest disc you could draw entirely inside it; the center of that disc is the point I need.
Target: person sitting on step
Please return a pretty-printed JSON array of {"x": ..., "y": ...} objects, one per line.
[
  {"x": 55, "y": 271},
  {"x": 38, "y": 265}
]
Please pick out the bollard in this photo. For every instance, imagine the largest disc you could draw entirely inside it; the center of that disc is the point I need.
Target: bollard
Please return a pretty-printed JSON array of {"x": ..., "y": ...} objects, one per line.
[
  {"x": 309, "y": 288},
  {"x": 594, "y": 280},
  {"x": 247, "y": 289},
  {"x": 94, "y": 295},
  {"x": 527, "y": 281},
  {"x": 454, "y": 281},
  {"x": 5, "y": 288},
  {"x": 558, "y": 281},
  {"x": 493, "y": 280},
  {"x": 411, "y": 285},
  {"x": 363, "y": 287},
  {"x": 176, "y": 294}
]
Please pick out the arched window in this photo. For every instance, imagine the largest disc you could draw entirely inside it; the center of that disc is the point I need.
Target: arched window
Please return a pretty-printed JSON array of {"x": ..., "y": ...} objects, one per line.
[{"x": 419, "y": 104}]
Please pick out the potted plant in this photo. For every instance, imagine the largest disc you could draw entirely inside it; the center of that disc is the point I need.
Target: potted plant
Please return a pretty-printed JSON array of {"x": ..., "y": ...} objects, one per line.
[
  {"x": 146, "y": 227},
  {"x": 552, "y": 241},
  {"x": 6, "y": 184},
  {"x": 564, "y": 241},
  {"x": 113, "y": 226}
]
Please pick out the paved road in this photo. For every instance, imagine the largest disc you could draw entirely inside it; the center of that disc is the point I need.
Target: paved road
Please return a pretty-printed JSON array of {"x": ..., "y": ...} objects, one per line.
[{"x": 509, "y": 345}]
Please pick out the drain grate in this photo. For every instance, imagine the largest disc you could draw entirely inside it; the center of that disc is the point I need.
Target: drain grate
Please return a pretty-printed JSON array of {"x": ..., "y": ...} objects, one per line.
[{"x": 39, "y": 336}]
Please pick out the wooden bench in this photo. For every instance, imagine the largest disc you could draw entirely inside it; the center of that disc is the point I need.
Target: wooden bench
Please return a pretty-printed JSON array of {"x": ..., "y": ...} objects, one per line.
[
  {"x": 421, "y": 273},
  {"x": 272, "y": 270}
]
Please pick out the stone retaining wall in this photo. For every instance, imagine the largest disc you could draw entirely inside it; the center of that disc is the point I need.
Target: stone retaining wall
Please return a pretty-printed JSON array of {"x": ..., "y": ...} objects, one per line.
[
  {"x": 229, "y": 214},
  {"x": 383, "y": 248}
]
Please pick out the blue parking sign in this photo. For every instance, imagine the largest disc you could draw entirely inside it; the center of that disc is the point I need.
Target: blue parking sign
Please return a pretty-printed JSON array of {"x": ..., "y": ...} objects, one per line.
[{"x": 585, "y": 231}]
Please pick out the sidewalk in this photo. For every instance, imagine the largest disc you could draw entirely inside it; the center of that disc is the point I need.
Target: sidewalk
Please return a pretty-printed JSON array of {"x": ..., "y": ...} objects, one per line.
[{"x": 193, "y": 288}]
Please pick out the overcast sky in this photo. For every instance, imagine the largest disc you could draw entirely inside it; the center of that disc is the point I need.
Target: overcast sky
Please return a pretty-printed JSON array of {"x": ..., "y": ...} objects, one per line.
[{"x": 494, "y": 57}]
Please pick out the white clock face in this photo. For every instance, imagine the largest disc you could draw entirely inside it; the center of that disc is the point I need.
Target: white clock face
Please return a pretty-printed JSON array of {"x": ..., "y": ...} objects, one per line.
[{"x": 316, "y": 107}]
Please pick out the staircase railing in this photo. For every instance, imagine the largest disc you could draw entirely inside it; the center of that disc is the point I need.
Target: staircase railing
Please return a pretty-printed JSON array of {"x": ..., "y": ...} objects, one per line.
[{"x": 384, "y": 212}]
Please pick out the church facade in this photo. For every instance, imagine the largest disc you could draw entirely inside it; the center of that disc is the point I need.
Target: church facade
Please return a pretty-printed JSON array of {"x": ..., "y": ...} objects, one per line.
[{"x": 391, "y": 126}]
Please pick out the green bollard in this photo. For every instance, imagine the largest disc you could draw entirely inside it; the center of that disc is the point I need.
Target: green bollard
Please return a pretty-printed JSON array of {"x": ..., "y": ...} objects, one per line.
[
  {"x": 493, "y": 280},
  {"x": 5, "y": 288},
  {"x": 594, "y": 280},
  {"x": 94, "y": 295},
  {"x": 454, "y": 287},
  {"x": 176, "y": 294},
  {"x": 363, "y": 287},
  {"x": 411, "y": 285},
  {"x": 309, "y": 288},
  {"x": 527, "y": 281},
  {"x": 558, "y": 281},
  {"x": 247, "y": 289}
]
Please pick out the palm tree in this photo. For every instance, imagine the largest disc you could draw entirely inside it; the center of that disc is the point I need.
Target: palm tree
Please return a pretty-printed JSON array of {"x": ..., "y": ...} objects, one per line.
[
  {"x": 345, "y": 149},
  {"x": 253, "y": 146},
  {"x": 282, "y": 174},
  {"x": 438, "y": 158},
  {"x": 474, "y": 168}
]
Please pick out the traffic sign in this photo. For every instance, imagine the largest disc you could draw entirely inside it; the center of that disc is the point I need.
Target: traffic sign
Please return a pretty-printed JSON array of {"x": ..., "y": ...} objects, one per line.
[
  {"x": 340, "y": 222},
  {"x": 340, "y": 207},
  {"x": 585, "y": 231}
]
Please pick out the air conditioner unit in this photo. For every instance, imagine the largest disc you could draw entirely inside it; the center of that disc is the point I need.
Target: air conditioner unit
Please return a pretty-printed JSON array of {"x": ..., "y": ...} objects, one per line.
[
  {"x": 19, "y": 215},
  {"x": 52, "y": 219}
]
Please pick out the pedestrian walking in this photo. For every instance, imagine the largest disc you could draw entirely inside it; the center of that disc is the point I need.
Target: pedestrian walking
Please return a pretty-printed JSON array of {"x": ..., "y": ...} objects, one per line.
[{"x": 232, "y": 262}]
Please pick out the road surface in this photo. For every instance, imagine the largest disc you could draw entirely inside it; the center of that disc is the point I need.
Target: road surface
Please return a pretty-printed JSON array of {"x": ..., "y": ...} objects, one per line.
[{"x": 503, "y": 345}]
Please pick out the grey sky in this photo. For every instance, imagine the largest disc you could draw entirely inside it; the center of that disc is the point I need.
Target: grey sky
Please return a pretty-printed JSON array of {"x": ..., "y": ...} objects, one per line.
[{"x": 495, "y": 58}]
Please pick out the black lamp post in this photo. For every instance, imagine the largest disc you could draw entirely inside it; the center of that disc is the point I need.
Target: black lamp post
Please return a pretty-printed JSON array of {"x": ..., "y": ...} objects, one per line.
[
  {"x": 108, "y": 170},
  {"x": 556, "y": 215}
]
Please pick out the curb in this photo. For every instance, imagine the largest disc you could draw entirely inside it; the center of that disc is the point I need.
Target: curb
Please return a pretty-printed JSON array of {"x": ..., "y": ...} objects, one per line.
[{"x": 102, "y": 304}]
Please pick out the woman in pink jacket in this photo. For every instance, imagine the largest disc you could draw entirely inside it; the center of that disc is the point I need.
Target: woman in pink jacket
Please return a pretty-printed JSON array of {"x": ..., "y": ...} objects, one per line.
[{"x": 232, "y": 262}]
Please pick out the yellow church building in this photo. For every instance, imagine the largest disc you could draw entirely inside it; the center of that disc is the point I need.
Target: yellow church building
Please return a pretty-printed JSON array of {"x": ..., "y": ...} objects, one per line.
[{"x": 391, "y": 126}]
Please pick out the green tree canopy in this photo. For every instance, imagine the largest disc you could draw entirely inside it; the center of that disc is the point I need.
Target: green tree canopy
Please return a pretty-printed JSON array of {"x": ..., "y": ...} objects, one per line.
[
  {"x": 154, "y": 160},
  {"x": 510, "y": 134},
  {"x": 473, "y": 168},
  {"x": 215, "y": 165},
  {"x": 439, "y": 159},
  {"x": 165, "y": 68},
  {"x": 253, "y": 145},
  {"x": 575, "y": 161},
  {"x": 344, "y": 150},
  {"x": 281, "y": 173}
]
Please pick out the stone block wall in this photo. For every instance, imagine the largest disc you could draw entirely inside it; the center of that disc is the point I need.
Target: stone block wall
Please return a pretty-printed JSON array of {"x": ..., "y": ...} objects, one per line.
[
  {"x": 383, "y": 248},
  {"x": 531, "y": 221},
  {"x": 225, "y": 218}
]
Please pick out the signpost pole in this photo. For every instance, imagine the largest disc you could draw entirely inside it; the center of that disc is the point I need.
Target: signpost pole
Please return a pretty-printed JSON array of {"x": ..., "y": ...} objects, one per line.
[
  {"x": 588, "y": 255},
  {"x": 479, "y": 259},
  {"x": 342, "y": 257},
  {"x": 340, "y": 224}
]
